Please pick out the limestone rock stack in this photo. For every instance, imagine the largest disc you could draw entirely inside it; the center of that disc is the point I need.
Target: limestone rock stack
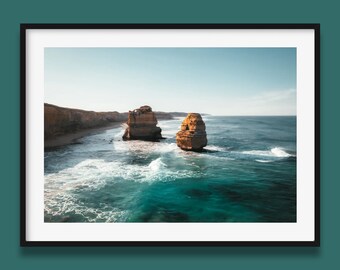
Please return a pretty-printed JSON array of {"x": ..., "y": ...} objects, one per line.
[
  {"x": 142, "y": 125},
  {"x": 192, "y": 135}
]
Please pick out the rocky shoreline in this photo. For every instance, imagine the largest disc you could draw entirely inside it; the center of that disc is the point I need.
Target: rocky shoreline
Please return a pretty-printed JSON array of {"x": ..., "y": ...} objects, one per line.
[{"x": 63, "y": 126}]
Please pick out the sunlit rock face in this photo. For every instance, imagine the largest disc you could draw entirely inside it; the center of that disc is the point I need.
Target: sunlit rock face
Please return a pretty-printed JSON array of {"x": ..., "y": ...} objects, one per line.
[
  {"x": 192, "y": 136},
  {"x": 142, "y": 125},
  {"x": 60, "y": 121}
]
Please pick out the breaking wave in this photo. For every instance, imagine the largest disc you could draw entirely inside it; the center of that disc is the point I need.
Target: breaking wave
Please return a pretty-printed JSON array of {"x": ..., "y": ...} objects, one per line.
[
  {"x": 106, "y": 179},
  {"x": 156, "y": 164},
  {"x": 274, "y": 152},
  {"x": 215, "y": 148},
  {"x": 263, "y": 160}
]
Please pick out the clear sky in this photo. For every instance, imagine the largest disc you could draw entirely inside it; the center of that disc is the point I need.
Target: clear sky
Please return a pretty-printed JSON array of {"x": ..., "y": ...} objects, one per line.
[{"x": 218, "y": 81}]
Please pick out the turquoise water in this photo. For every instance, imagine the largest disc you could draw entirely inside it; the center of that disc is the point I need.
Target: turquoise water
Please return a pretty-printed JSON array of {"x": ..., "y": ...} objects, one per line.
[{"x": 246, "y": 174}]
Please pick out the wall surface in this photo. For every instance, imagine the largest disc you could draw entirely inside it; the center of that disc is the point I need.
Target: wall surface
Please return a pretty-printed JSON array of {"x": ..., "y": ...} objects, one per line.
[{"x": 14, "y": 12}]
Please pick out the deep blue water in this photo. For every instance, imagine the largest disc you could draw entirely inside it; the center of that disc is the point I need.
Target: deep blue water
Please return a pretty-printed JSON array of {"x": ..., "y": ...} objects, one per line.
[{"x": 247, "y": 174}]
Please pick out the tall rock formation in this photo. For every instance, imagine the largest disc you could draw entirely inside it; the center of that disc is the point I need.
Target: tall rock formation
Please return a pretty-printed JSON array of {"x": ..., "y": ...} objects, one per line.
[
  {"x": 142, "y": 125},
  {"x": 192, "y": 136}
]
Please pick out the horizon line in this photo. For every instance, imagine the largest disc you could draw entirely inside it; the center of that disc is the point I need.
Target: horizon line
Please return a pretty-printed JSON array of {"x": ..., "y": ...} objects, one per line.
[{"x": 202, "y": 113}]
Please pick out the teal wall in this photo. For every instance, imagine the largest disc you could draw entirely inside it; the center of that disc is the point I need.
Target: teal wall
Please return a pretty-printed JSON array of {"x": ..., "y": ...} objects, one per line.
[{"x": 14, "y": 12}]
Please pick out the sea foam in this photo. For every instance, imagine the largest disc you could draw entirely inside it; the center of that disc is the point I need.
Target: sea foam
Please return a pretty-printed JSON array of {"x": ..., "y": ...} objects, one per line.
[
  {"x": 215, "y": 148},
  {"x": 106, "y": 179},
  {"x": 274, "y": 152},
  {"x": 156, "y": 164}
]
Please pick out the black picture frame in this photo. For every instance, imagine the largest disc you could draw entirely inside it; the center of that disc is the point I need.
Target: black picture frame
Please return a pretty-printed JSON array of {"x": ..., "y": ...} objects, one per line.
[{"x": 24, "y": 181}]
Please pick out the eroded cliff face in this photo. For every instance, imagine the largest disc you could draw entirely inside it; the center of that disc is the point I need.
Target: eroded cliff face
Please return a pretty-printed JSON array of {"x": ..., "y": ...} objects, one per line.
[
  {"x": 142, "y": 125},
  {"x": 192, "y": 136},
  {"x": 60, "y": 121}
]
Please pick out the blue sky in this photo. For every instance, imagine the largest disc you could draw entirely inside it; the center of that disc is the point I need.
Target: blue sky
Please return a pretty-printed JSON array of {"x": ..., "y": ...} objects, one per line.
[{"x": 218, "y": 81}]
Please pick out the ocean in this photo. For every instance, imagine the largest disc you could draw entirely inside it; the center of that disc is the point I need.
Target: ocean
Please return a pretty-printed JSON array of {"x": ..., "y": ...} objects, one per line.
[{"x": 246, "y": 174}]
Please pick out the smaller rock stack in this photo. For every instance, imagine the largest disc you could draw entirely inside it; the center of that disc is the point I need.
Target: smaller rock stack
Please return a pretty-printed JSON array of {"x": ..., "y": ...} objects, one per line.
[
  {"x": 142, "y": 125},
  {"x": 192, "y": 136}
]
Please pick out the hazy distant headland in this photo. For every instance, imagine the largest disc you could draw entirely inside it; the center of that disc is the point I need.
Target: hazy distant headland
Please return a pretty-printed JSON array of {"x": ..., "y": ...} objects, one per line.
[{"x": 65, "y": 125}]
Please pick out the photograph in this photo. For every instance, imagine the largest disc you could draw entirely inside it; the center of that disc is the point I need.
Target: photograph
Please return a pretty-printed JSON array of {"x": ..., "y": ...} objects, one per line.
[
  {"x": 166, "y": 135},
  {"x": 170, "y": 135}
]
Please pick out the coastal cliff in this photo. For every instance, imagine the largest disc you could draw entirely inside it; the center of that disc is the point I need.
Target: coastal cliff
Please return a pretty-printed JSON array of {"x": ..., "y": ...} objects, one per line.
[
  {"x": 169, "y": 115},
  {"x": 142, "y": 125},
  {"x": 60, "y": 121},
  {"x": 63, "y": 126},
  {"x": 192, "y": 135}
]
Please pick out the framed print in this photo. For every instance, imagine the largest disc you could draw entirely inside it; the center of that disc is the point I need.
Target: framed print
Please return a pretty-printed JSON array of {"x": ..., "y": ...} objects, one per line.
[{"x": 170, "y": 134}]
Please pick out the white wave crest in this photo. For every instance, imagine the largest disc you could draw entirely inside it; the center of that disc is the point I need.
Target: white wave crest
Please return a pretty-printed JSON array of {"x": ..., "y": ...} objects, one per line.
[
  {"x": 263, "y": 161},
  {"x": 119, "y": 134},
  {"x": 215, "y": 148},
  {"x": 274, "y": 152},
  {"x": 156, "y": 164},
  {"x": 279, "y": 152},
  {"x": 94, "y": 174}
]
